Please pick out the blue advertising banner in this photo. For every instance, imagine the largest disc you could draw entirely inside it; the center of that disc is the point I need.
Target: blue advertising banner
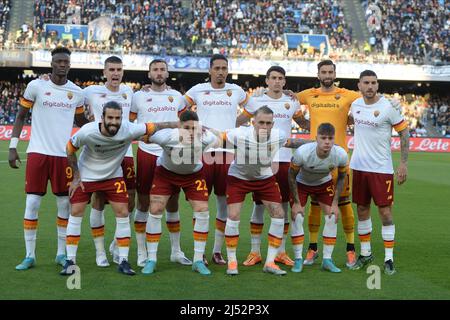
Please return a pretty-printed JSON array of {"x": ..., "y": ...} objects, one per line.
[
  {"x": 314, "y": 40},
  {"x": 68, "y": 31}
]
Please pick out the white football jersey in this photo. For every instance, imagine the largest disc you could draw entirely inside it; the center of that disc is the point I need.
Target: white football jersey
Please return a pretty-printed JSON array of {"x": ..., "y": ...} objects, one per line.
[
  {"x": 315, "y": 171},
  {"x": 372, "y": 137},
  {"x": 96, "y": 96},
  {"x": 53, "y": 110},
  {"x": 284, "y": 110},
  {"x": 253, "y": 159},
  {"x": 102, "y": 156},
  {"x": 216, "y": 108},
  {"x": 153, "y": 106},
  {"x": 182, "y": 158}
]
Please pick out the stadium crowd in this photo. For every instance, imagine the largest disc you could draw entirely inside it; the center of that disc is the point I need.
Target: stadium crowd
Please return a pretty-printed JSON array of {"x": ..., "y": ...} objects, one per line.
[
  {"x": 413, "y": 31},
  {"x": 409, "y": 33},
  {"x": 5, "y": 8},
  {"x": 417, "y": 109}
]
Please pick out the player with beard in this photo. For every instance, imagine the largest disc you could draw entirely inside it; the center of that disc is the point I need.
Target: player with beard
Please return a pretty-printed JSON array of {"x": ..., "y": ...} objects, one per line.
[
  {"x": 96, "y": 96},
  {"x": 157, "y": 103},
  {"x": 330, "y": 104},
  {"x": 99, "y": 169}
]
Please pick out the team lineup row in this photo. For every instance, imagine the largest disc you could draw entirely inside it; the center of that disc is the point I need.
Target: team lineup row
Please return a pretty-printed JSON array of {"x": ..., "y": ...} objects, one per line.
[{"x": 204, "y": 151}]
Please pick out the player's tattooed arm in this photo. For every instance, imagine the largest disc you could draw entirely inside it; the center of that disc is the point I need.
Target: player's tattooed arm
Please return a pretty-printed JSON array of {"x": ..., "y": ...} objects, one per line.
[
  {"x": 73, "y": 163},
  {"x": 295, "y": 143},
  {"x": 402, "y": 170},
  {"x": 242, "y": 119},
  {"x": 350, "y": 120},
  {"x": 80, "y": 119},
  {"x": 303, "y": 122},
  {"x": 292, "y": 175},
  {"x": 13, "y": 156},
  {"x": 164, "y": 125},
  {"x": 337, "y": 192}
]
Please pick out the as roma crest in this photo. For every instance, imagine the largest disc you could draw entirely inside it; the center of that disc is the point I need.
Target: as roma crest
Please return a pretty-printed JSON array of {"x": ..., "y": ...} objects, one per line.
[
  {"x": 337, "y": 96},
  {"x": 376, "y": 113},
  {"x": 331, "y": 167},
  {"x": 69, "y": 95},
  {"x": 287, "y": 106},
  {"x": 124, "y": 95},
  {"x": 170, "y": 98},
  {"x": 229, "y": 93}
]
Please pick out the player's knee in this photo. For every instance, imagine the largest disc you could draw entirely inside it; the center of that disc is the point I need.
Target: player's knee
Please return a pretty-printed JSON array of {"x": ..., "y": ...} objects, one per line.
[
  {"x": 78, "y": 209},
  {"x": 235, "y": 216},
  {"x": 363, "y": 212},
  {"x": 131, "y": 204},
  {"x": 386, "y": 215},
  {"x": 200, "y": 207},
  {"x": 143, "y": 202},
  {"x": 156, "y": 208},
  {"x": 344, "y": 200},
  {"x": 172, "y": 204}
]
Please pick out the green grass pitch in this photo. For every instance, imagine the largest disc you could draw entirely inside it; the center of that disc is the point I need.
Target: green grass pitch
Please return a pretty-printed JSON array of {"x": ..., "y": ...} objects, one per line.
[{"x": 421, "y": 216}]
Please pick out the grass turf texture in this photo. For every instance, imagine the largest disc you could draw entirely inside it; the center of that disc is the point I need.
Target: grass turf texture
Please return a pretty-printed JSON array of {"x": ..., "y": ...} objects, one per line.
[{"x": 421, "y": 256}]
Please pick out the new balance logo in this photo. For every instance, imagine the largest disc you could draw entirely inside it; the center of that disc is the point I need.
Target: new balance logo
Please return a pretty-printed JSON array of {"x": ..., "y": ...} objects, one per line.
[{"x": 48, "y": 93}]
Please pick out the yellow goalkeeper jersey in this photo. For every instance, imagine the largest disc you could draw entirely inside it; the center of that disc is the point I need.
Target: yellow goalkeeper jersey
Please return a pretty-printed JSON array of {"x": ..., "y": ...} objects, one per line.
[{"x": 332, "y": 107}]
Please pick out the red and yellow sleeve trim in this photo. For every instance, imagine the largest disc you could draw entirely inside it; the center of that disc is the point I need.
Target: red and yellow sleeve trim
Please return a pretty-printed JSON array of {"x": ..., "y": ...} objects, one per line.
[
  {"x": 402, "y": 125},
  {"x": 151, "y": 128},
  {"x": 243, "y": 102},
  {"x": 26, "y": 103},
  {"x": 79, "y": 110},
  {"x": 189, "y": 100},
  {"x": 132, "y": 116},
  {"x": 247, "y": 114},
  {"x": 71, "y": 148},
  {"x": 181, "y": 111},
  {"x": 223, "y": 136},
  {"x": 294, "y": 166}
]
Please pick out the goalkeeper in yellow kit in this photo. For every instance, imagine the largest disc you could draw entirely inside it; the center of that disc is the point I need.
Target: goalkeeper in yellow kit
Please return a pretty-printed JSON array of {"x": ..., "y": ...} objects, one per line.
[{"x": 331, "y": 104}]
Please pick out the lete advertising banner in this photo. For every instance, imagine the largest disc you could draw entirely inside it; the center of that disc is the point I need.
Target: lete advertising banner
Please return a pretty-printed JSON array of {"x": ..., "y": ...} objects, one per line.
[{"x": 415, "y": 144}]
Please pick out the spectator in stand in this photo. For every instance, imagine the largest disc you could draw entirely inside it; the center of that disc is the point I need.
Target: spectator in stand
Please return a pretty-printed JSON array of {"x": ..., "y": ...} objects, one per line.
[
  {"x": 411, "y": 31},
  {"x": 5, "y": 8}
]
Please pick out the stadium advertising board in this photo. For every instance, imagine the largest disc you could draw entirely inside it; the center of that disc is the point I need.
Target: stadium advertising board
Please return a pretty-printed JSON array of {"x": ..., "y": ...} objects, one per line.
[
  {"x": 415, "y": 144},
  {"x": 67, "y": 31},
  {"x": 318, "y": 41},
  {"x": 348, "y": 70}
]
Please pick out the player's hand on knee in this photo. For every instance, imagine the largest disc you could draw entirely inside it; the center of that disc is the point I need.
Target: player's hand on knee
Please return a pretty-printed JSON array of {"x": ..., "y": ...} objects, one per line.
[
  {"x": 13, "y": 158},
  {"x": 74, "y": 185},
  {"x": 295, "y": 210}
]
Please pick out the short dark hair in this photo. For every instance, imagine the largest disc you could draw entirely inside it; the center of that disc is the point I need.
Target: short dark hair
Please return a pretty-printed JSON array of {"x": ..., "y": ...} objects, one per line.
[
  {"x": 264, "y": 109},
  {"x": 157, "y": 61},
  {"x": 188, "y": 115},
  {"x": 217, "y": 57},
  {"x": 61, "y": 50},
  {"x": 113, "y": 59},
  {"x": 111, "y": 105},
  {"x": 367, "y": 73},
  {"x": 326, "y": 129},
  {"x": 276, "y": 69},
  {"x": 327, "y": 62}
]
